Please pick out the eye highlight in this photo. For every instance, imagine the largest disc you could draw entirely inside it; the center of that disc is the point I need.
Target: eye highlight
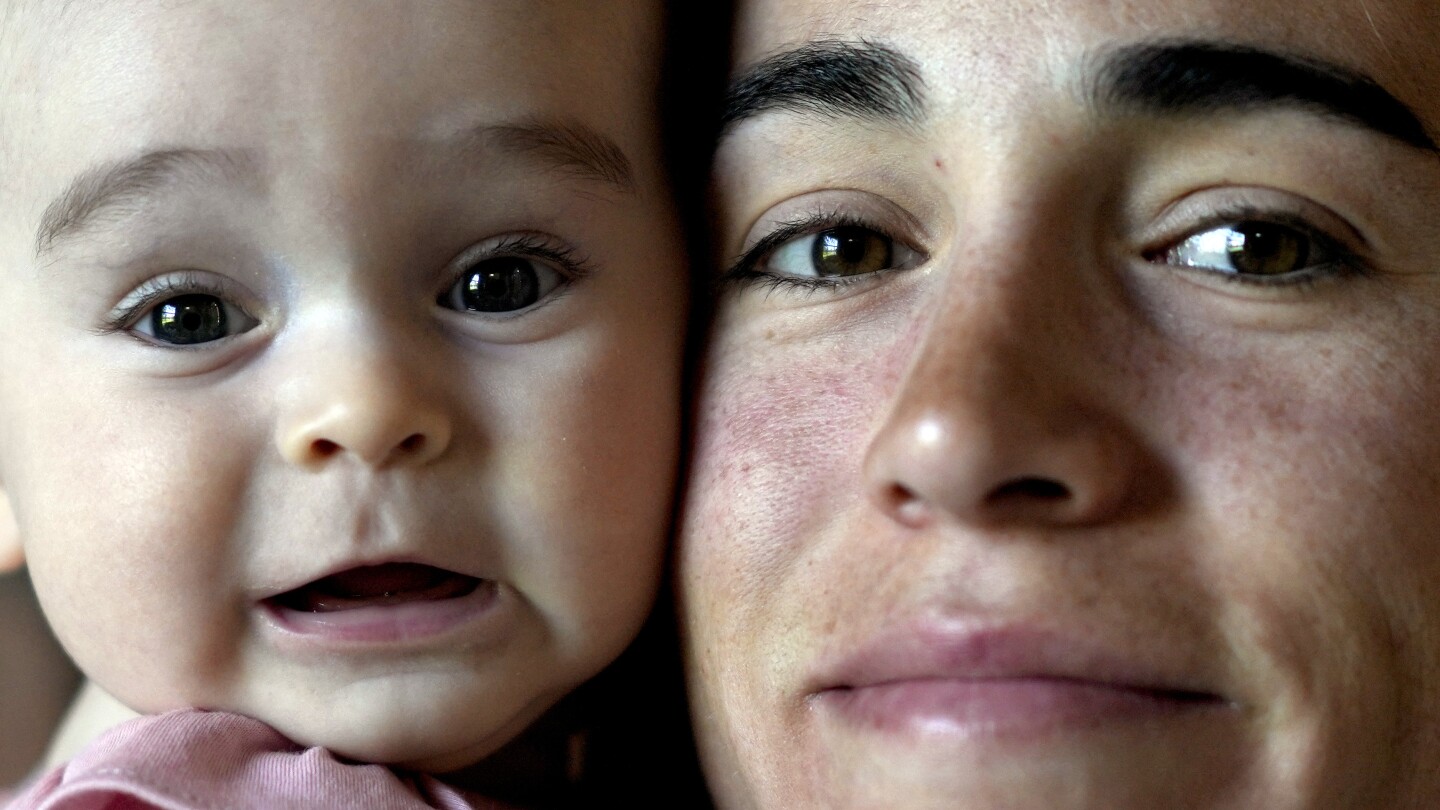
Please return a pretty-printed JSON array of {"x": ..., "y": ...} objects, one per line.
[
  {"x": 823, "y": 251},
  {"x": 1253, "y": 248},
  {"x": 503, "y": 284},
  {"x": 185, "y": 310},
  {"x": 186, "y": 320},
  {"x": 511, "y": 277}
]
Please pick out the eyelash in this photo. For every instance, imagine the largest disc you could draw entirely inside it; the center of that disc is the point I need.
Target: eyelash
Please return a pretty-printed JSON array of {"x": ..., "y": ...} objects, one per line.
[
  {"x": 157, "y": 290},
  {"x": 570, "y": 262},
  {"x": 745, "y": 270}
]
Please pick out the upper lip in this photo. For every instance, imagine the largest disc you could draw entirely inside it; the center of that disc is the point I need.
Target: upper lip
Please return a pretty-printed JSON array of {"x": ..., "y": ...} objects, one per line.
[{"x": 968, "y": 651}]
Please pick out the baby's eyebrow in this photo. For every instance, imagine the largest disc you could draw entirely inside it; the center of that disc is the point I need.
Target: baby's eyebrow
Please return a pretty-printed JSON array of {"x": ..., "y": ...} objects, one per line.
[
  {"x": 121, "y": 188},
  {"x": 568, "y": 146}
]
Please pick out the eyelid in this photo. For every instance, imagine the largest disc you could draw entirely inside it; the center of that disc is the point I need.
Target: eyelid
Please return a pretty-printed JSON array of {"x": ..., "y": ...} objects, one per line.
[{"x": 1213, "y": 208}]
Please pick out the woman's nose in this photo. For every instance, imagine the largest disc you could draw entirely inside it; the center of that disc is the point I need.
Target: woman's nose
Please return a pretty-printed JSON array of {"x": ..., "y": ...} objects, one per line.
[
  {"x": 370, "y": 403},
  {"x": 991, "y": 423}
]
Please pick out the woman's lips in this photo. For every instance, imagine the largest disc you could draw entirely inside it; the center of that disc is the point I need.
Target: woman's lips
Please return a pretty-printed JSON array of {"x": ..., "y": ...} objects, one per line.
[
  {"x": 381, "y": 604},
  {"x": 1008, "y": 708},
  {"x": 1012, "y": 683}
]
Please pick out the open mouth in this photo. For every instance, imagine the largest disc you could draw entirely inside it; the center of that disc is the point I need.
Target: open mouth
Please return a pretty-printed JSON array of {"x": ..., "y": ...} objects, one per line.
[{"x": 377, "y": 586}]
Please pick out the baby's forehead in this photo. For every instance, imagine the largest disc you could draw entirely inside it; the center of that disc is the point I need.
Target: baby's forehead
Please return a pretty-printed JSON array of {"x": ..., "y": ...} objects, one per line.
[{"x": 348, "y": 93}]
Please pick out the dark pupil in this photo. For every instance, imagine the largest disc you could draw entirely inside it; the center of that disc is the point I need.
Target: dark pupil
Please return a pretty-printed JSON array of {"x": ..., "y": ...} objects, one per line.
[
  {"x": 850, "y": 251},
  {"x": 1266, "y": 249},
  {"x": 189, "y": 319},
  {"x": 501, "y": 285}
]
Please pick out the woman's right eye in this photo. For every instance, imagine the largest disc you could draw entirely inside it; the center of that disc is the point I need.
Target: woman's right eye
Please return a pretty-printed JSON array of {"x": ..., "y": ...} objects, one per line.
[
  {"x": 193, "y": 318},
  {"x": 837, "y": 253}
]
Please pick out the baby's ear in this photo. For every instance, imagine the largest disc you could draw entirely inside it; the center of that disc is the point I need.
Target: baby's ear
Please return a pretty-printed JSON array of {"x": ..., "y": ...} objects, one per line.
[{"x": 11, "y": 554}]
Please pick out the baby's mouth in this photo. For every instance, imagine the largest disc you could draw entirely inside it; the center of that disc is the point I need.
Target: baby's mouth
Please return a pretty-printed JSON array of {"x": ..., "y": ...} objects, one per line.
[{"x": 373, "y": 586}]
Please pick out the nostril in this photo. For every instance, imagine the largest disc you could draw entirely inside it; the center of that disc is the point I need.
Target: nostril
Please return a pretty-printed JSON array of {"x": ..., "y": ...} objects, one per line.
[
  {"x": 1042, "y": 489},
  {"x": 412, "y": 443},
  {"x": 324, "y": 448}
]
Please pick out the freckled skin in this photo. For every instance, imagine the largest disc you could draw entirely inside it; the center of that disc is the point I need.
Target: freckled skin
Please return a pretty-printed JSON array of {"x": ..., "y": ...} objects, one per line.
[{"x": 1250, "y": 473}]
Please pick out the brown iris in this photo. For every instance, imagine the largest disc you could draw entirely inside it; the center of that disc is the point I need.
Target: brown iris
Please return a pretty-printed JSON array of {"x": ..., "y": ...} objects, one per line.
[
  {"x": 851, "y": 251},
  {"x": 1266, "y": 249}
]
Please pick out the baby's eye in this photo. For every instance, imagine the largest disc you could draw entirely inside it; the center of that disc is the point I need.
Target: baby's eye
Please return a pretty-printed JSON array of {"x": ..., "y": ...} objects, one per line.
[
  {"x": 1253, "y": 249},
  {"x": 193, "y": 318},
  {"x": 847, "y": 250},
  {"x": 501, "y": 284}
]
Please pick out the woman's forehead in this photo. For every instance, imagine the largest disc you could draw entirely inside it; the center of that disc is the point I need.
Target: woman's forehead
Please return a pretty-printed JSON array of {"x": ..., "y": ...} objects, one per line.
[{"x": 1027, "y": 43}]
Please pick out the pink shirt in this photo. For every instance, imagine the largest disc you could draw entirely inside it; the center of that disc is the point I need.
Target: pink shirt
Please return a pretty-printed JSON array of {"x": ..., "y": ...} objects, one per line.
[{"x": 194, "y": 760}]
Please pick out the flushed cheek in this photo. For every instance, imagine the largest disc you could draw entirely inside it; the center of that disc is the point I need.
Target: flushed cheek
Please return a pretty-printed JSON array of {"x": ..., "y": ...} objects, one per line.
[
  {"x": 780, "y": 439},
  {"x": 775, "y": 487}
]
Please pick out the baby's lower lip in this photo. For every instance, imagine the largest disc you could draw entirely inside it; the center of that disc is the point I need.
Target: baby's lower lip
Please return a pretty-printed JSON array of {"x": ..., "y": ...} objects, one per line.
[{"x": 381, "y": 604}]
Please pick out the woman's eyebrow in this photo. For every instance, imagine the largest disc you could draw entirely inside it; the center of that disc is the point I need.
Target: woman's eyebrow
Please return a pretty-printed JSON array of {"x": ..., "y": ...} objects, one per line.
[
  {"x": 1185, "y": 77},
  {"x": 831, "y": 79},
  {"x": 120, "y": 189}
]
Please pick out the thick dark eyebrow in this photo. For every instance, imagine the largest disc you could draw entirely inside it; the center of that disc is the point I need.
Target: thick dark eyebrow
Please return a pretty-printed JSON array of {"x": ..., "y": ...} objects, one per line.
[
  {"x": 570, "y": 147},
  {"x": 830, "y": 79},
  {"x": 120, "y": 189},
  {"x": 1185, "y": 77}
]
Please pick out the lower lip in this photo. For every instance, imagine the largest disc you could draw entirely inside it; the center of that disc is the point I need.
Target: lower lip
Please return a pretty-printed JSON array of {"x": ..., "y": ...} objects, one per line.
[
  {"x": 389, "y": 624},
  {"x": 1001, "y": 708}
]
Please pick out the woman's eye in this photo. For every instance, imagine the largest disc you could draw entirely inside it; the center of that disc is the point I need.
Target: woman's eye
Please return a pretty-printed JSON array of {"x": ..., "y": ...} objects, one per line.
[
  {"x": 848, "y": 250},
  {"x": 193, "y": 318},
  {"x": 502, "y": 284},
  {"x": 1252, "y": 249}
]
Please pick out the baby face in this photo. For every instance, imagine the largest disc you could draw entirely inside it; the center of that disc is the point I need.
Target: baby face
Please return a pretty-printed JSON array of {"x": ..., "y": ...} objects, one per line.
[{"x": 339, "y": 355}]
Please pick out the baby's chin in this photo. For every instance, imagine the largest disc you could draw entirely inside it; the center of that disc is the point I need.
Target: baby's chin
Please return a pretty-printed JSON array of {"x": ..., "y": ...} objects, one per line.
[{"x": 440, "y": 737}]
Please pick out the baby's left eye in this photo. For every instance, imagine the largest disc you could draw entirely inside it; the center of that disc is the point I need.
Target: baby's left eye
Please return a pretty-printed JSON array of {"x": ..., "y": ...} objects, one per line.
[
  {"x": 186, "y": 320},
  {"x": 1254, "y": 250},
  {"x": 501, "y": 284}
]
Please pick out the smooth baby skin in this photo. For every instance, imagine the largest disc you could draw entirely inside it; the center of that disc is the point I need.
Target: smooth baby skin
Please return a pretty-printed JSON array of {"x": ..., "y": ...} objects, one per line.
[{"x": 391, "y": 291}]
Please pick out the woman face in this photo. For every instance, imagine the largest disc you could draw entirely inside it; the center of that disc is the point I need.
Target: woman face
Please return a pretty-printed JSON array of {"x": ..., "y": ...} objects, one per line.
[{"x": 1067, "y": 436}]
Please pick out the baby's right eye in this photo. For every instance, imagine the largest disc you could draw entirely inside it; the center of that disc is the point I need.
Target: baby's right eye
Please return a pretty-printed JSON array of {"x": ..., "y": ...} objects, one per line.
[{"x": 186, "y": 320}]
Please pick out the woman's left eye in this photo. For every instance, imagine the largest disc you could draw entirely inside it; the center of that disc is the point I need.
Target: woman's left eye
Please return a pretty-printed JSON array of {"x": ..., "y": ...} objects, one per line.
[
  {"x": 501, "y": 284},
  {"x": 1254, "y": 250}
]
